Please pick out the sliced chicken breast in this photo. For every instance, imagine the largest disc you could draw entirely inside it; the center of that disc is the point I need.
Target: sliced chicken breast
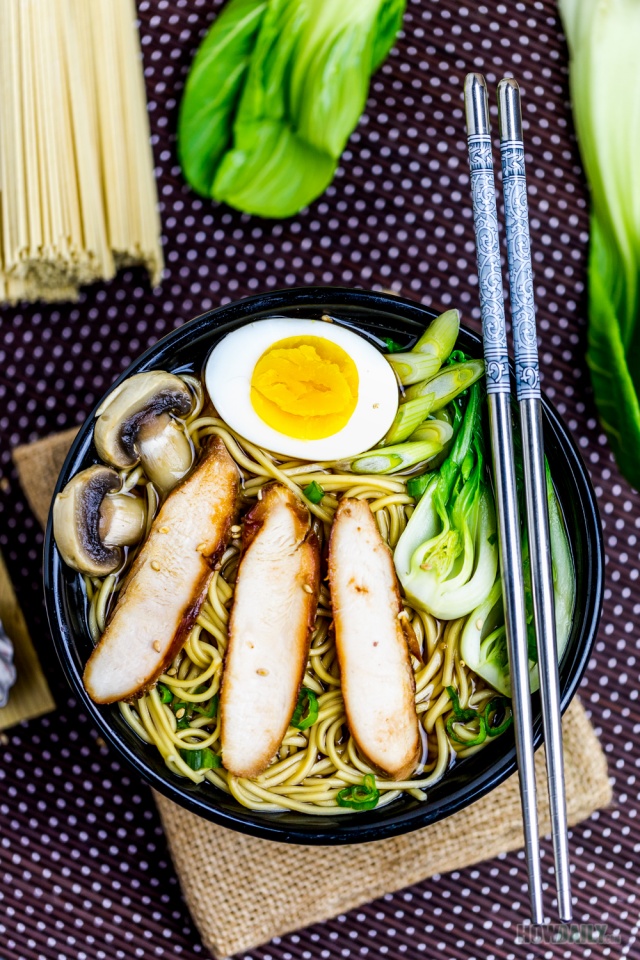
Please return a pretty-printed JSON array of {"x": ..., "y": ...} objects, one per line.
[
  {"x": 272, "y": 619},
  {"x": 168, "y": 581},
  {"x": 377, "y": 680}
]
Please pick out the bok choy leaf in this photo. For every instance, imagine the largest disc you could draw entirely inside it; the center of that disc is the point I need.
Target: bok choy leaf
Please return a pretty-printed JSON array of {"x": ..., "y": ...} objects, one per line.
[
  {"x": 274, "y": 94},
  {"x": 447, "y": 557},
  {"x": 483, "y": 643},
  {"x": 604, "y": 74}
]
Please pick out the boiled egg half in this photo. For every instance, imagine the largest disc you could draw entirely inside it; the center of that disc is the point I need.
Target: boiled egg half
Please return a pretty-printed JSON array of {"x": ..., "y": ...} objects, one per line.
[{"x": 307, "y": 389}]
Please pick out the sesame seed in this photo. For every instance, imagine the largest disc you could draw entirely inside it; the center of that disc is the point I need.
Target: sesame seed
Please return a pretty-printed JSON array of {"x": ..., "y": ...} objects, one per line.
[
  {"x": 155, "y": 565},
  {"x": 307, "y": 588},
  {"x": 180, "y": 713},
  {"x": 164, "y": 529},
  {"x": 403, "y": 615},
  {"x": 262, "y": 672},
  {"x": 201, "y": 547},
  {"x": 171, "y": 672},
  {"x": 156, "y": 646},
  {"x": 479, "y": 623}
]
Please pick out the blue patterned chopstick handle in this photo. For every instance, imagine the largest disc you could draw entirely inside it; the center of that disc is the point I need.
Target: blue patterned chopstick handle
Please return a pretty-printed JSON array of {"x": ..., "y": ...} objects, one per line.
[
  {"x": 485, "y": 216},
  {"x": 523, "y": 312}
]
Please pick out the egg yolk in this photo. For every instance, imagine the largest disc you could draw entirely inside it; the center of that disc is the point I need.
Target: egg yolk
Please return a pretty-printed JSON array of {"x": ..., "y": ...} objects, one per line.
[{"x": 305, "y": 387}]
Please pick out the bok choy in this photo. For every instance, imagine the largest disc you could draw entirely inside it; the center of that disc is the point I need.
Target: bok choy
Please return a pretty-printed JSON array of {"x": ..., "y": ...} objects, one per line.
[
  {"x": 604, "y": 74},
  {"x": 273, "y": 95},
  {"x": 447, "y": 557},
  {"x": 483, "y": 644}
]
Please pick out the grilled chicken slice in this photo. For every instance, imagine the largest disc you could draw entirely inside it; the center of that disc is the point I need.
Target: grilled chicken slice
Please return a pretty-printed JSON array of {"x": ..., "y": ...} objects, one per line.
[
  {"x": 168, "y": 581},
  {"x": 272, "y": 619},
  {"x": 377, "y": 680}
]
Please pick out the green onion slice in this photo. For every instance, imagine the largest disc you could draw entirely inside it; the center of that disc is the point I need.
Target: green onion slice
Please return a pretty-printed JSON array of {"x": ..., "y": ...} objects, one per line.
[
  {"x": 459, "y": 714},
  {"x": 464, "y": 716},
  {"x": 164, "y": 693},
  {"x": 474, "y": 741},
  {"x": 209, "y": 708},
  {"x": 416, "y": 486},
  {"x": 313, "y": 492},
  {"x": 360, "y": 796},
  {"x": 496, "y": 708},
  {"x": 201, "y": 759},
  {"x": 306, "y": 711},
  {"x": 457, "y": 356},
  {"x": 392, "y": 345}
]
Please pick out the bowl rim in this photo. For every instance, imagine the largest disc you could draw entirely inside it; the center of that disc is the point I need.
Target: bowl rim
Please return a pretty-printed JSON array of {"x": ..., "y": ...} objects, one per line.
[{"x": 363, "y": 827}]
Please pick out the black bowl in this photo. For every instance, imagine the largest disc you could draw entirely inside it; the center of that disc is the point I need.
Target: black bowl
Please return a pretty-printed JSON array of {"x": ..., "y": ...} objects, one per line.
[{"x": 375, "y": 314}]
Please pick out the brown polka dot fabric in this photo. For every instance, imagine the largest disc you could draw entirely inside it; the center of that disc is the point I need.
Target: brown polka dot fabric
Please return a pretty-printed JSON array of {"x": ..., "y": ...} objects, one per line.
[{"x": 84, "y": 868}]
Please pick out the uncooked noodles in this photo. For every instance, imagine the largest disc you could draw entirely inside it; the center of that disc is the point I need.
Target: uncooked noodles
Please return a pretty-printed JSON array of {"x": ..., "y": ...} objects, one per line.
[
  {"x": 77, "y": 188},
  {"x": 312, "y": 765}
]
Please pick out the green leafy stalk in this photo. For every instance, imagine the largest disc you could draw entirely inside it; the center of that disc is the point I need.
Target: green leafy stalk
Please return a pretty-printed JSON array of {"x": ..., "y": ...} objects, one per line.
[
  {"x": 430, "y": 352},
  {"x": 213, "y": 88},
  {"x": 273, "y": 95},
  {"x": 483, "y": 643},
  {"x": 447, "y": 556},
  {"x": 604, "y": 74}
]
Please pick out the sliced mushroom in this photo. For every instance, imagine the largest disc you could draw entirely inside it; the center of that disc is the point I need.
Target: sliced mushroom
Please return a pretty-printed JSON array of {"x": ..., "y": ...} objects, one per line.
[
  {"x": 92, "y": 521},
  {"x": 165, "y": 451},
  {"x": 136, "y": 425}
]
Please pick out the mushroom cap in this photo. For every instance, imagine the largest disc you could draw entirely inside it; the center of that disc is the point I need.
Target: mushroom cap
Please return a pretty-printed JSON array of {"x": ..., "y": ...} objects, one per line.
[
  {"x": 76, "y": 522},
  {"x": 137, "y": 400}
]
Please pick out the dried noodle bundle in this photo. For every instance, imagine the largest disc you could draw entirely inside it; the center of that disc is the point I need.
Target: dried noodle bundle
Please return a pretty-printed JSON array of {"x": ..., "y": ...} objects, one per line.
[{"x": 77, "y": 189}]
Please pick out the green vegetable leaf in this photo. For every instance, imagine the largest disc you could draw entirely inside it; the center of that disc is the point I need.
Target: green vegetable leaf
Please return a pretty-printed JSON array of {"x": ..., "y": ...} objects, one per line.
[
  {"x": 306, "y": 711},
  {"x": 273, "y": 95},
  {"x": 604, "y": 75},
  {"x": 445, "y": 559},
  {"x": 209, "y": 708},
  {"x": 313, "y": 492},
  {"x": 363, "y": 796},
  {"x": 201, "y": 759},
  {"x": 392, "y": 345},
  {"x": 213, "y": 89}
]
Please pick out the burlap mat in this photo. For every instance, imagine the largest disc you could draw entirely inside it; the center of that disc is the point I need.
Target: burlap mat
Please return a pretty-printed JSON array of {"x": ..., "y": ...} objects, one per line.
[{"x": 242, "y": 891}]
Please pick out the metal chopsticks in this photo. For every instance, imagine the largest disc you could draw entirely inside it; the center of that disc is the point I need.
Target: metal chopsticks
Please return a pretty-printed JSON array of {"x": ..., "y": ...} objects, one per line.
[
  {"x": 494, "y": 333},
  {"x": 528, "y": 393}
]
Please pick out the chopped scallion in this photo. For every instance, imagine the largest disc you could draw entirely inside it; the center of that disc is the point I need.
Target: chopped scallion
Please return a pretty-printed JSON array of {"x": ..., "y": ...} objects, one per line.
[
  {"x": 164, "y": 693},
  {"x": 313, "y": 492},
  {"x": 201, "y": 759},
  {"x": 209, "y": 708},
  {"x": 392, "y": 345},
  {"x": 306, "y": 711},
  {"x": 360, "y": 796},
  {"x": 496, "y": 710}
]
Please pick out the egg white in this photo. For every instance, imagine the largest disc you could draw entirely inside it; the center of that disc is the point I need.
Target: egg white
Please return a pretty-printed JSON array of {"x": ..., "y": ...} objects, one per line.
[{"x": 230, "y": 367}]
